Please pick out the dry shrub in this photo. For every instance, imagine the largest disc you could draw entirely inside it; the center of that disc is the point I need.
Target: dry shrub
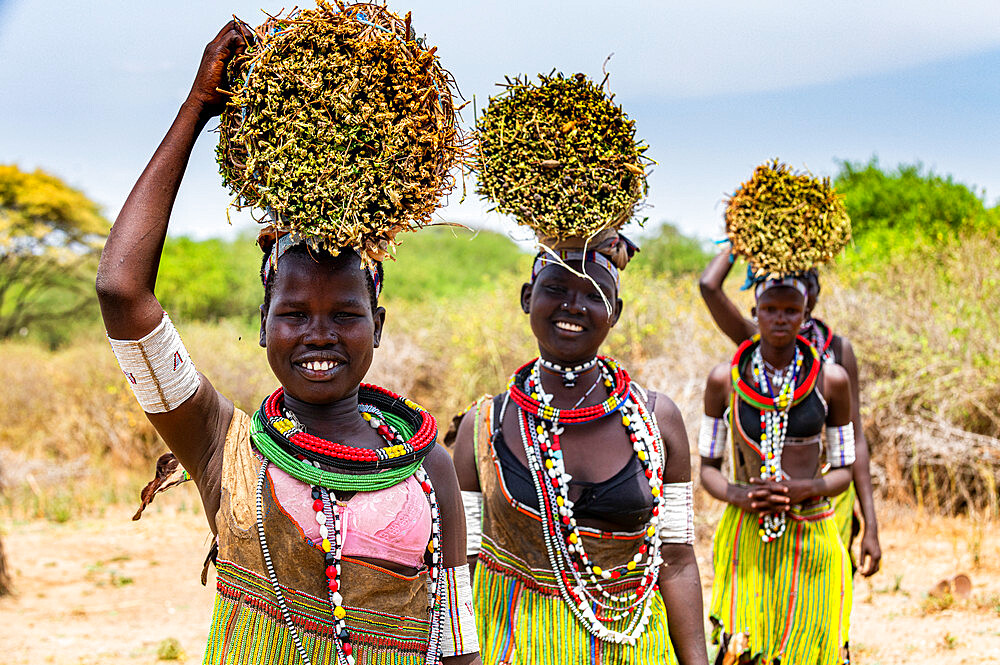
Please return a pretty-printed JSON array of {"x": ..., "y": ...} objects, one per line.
[{"x": 925, "y": 333}]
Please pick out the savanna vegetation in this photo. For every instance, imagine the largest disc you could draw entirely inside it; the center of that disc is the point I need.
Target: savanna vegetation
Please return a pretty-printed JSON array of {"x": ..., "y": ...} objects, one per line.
[{"x": 917, "y": 293}]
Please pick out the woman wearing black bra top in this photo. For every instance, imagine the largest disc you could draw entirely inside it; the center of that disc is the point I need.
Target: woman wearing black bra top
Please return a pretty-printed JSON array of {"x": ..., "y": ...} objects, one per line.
[{"x": 577, "y": 486}]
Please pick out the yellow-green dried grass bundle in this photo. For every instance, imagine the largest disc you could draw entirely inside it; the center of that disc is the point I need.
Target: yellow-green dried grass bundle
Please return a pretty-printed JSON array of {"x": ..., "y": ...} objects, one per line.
[
  {"x": 342, "y": 123},
  {"x": 785, "y": 222},
  {"x": 560, "y": 156}
]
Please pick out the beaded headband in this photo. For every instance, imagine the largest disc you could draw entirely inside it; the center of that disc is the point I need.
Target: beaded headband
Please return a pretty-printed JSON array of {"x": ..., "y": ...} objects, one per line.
[
  {"x": 285, "y": 241},
  {"x": 549, "y": 257},
  {"x": 794, "y": 282}
]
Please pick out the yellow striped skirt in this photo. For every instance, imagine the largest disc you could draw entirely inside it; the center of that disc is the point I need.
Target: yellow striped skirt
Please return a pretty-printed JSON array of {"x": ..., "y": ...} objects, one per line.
[
  {"x": 790, "y": 597},
  {"x": 522, "y": 620}
]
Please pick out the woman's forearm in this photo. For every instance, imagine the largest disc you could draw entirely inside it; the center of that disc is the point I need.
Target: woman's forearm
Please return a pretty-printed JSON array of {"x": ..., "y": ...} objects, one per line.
[
  {"x": 861, "y": 472},
  {"x": 724, "y": 312},
  {"x": 680, "y": 588}
]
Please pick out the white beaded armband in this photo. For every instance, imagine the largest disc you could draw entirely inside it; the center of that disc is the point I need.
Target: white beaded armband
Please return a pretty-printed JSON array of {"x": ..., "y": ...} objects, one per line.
[
  {"x": 677, "y": 513},
  {"x": 712, "y": 437},
  {"x": 458, "y": 634},
  {"x": 473, "y": 504},
  {"x": 840, "y": 445},
  {"x": 158, "y": 368}
]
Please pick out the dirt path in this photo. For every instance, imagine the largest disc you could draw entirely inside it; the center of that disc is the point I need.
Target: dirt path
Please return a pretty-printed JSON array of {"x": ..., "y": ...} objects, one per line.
[{"x": 110, "y": 591}]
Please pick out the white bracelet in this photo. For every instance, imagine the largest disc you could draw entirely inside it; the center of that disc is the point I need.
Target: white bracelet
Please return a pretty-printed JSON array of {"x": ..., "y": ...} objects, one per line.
[
  {"x": 458, "y": 635},
  {"x": 677, "y": 513},
  {"x": 712, "y": 437},
  {"x": 158, "y": 368},
  {"x": 840, "y": 445},
  {"x": 473, "y": 504}
]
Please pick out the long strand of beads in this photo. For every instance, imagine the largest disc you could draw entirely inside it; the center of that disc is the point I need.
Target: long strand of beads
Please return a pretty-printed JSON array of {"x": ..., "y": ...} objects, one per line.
[
  {"x": 569, "y": 375},
  {"x": 434, "y": 587},
  {"x": 563, "y": 539},
  {"x": 773, "y": 429}
]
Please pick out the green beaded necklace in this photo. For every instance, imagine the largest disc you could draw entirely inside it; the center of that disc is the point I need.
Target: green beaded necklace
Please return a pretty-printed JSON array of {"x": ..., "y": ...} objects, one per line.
[{"x": 340, "y": 482}]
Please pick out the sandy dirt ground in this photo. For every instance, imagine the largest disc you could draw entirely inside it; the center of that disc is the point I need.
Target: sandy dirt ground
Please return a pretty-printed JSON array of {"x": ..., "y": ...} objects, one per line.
[{"x": 112, "y": 591}]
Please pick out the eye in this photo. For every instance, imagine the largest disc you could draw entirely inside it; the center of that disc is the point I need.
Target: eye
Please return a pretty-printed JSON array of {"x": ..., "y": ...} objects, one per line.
[{"x": 555, "y": 289}]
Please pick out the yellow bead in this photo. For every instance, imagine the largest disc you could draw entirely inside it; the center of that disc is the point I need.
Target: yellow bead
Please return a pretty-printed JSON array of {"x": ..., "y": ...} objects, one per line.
[
  {"x": 548, "y": 464},
  {"x": 630, "y": 565},
  {"x": 573, "y": 538},
  {"x": 650, "y": 531},
  {"x": 559, "y": 501},
  {"x": 534, "y": 395},
  {"x": 326, "y": 545},
  {"x": 607, "y": 383},
  {"x": 641, "y": 455},
  {"x": 366, "y": 415},
  {"x": 625, "y": 421},
  {"x": 597, "y": 570},
  {"x": 430, "y": 546},
  {"x": 339, "y": 612},
  {"x": 655, "y": 491},
  {"x": 540, "y": 429}
]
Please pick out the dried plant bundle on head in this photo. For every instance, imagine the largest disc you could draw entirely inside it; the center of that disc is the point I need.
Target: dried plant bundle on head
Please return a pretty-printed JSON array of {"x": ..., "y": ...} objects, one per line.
[
  {"x": 342, "y": 125},
  {"x": 785, "y": 222},
  {"x": 560, "y": 156}
]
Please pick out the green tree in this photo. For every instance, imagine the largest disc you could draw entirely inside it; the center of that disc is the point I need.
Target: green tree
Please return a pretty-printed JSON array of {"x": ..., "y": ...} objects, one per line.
[
  {"x": 671, "y": 252},
  {"x": 907, "y": 199},
  {"x": 48, "y": 233}
]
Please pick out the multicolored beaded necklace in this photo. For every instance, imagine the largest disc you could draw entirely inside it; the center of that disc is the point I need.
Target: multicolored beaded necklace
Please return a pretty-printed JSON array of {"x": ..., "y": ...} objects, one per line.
[
  {"x": 774, "y": 396},
  {"x": 272, "y": 422},
  {"x": 541, "y": 428},
  {"x": 819, "y": 335}
]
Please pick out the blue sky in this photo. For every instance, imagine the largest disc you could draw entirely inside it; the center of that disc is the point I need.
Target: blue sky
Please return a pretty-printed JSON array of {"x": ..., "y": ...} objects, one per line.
[{"x": 89, "y": 88}]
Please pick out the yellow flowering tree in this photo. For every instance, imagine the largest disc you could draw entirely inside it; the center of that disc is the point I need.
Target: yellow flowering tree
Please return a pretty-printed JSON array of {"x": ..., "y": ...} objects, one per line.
[{"x": 48, "y": 233}]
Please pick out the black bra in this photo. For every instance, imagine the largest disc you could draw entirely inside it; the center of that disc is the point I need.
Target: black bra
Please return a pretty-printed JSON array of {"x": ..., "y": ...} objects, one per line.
[{"x": 624, "y": 499}]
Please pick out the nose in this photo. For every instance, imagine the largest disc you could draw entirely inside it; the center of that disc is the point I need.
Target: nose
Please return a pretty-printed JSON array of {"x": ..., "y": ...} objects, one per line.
[
  {"x": 575, "y": 303},
  {"x": 320, "y": 332}
]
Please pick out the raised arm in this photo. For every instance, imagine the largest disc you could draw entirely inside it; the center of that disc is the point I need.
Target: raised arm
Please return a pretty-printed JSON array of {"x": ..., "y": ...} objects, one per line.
[
  {"x": 680, "y": 581},
  {"x": 723, "y": 311},
  {"x": 871, "y": 551},
  {"x": 126, "y": 277}
]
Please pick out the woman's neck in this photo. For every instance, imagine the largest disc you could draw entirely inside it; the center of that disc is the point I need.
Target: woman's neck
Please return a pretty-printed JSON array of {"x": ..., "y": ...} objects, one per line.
[
  {"x": 338, "y": 420},
  {"x": 778, "y": 357}
]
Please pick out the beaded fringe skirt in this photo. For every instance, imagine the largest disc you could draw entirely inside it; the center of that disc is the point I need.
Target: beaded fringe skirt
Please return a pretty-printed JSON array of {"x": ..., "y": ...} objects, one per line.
[
  {"x": 522, "y": 620},
  {"x": 792, "y": 596},
  {"x": 247, "y": 627}
]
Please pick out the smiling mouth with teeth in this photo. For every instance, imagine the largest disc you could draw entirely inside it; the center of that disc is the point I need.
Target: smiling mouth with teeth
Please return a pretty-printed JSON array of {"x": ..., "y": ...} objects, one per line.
[
  {"x": 572, "y": 327},
  {"x": 319, "y": 365}
]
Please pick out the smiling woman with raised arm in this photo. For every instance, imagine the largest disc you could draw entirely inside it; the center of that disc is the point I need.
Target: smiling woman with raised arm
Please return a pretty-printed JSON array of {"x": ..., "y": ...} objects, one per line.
[
  {"x": 576, "y": 480},
  {"x": 339, "y": 526}
]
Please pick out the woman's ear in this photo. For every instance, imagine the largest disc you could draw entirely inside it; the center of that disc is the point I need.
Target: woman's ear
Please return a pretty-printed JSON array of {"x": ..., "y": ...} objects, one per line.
[
  {"x": 263, "y": 334},
  {"x": 379, "y": 319},
  {"x": 526, "y": 298},
  {"x": 616, "y": 314}
]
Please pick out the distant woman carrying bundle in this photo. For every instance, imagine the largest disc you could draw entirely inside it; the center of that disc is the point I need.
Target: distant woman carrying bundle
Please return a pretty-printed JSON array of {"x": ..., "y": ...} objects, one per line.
[
  {"x": 576, "y": 480},
  {"x": 782, "y": 589},
  {"x": 338, "y": 520}
]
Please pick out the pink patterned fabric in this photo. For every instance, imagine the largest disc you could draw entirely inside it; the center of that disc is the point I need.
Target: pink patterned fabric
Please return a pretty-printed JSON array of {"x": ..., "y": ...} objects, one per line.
[{"x": 393, "y": 524}]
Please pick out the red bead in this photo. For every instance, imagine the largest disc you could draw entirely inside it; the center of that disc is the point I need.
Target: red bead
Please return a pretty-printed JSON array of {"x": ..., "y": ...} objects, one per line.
[
  {"x": 555, "y": 482},
  {"x": 643, "y": 549},
  {"x": 346, "y": 646},
  {"x": 331, "y": 572},
  {"x": 565, "y": 519},
  {"x": 426, "y": 486},
  {"x": 318, "y": 505},
  {"x": 615, "y": 574},
  {"x": 656, "y": 511},
  {"x": 649, "y": 473},
  {"x": 333, "y": 585}
]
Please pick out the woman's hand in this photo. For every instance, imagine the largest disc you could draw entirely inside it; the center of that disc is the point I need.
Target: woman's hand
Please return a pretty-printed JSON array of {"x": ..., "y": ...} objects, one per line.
[
  {"x": 762, "y": 496},
  {"x": 871, "y": 553},
  {"x": 205, "y": 93},
  {"x": 799, "y": 489}
]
